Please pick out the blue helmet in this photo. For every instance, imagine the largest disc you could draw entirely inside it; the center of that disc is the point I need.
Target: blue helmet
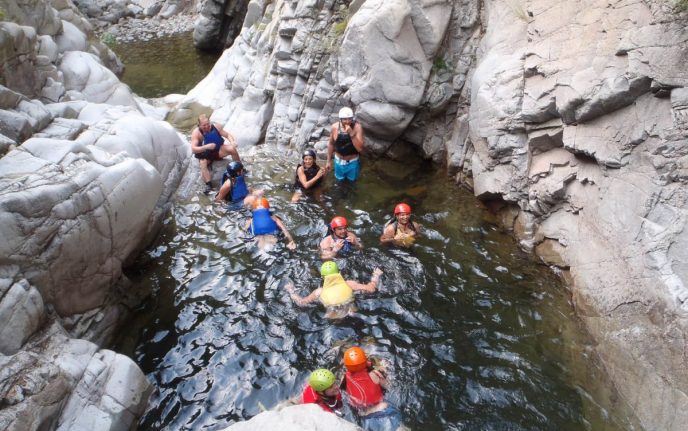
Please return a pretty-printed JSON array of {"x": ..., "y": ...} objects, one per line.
[{"x": 234, "y": 168}]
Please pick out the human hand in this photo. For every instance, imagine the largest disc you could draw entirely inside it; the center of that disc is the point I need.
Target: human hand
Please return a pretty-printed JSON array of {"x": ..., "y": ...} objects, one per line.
[
  {"x": 338, "y": 245},
  {"x": 321, "y": 172},
  {"x": 289, "y": 287},
  {"x": 328, "y": 166},
  {"x": 377, "y": 272},
  {"x": 291, "y": 245}
]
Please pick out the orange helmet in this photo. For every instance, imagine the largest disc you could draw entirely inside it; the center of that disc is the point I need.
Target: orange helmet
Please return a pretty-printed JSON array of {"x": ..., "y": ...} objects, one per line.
[
  {"x": 338, "y": 222},
  {"x": 402, "y": 208},
  {"x": 355, "y": 359},
  {"x": 261, "y": 203}
]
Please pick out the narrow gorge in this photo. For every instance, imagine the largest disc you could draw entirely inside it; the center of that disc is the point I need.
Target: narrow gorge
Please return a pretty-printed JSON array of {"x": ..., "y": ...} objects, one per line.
[{"x": 568, "y": 120}]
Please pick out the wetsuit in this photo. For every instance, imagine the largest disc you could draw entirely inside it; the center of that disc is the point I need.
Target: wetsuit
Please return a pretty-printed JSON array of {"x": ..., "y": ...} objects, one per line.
[
  {"x": 329, "y": 404},
  {"x": 239, "y": 189},
  {"x": 335, "y": 291},
  {"x": 262, "y": 223},
  {"x": 212, "y": 137},
  {"x": 310, "y": 174},
  {"x": 344, "y": 146}
]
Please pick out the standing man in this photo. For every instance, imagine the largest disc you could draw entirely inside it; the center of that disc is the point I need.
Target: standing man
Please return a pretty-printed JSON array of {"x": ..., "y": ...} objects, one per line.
[
  {"x": 346, "y": 143},
  {"x": 208, "y": 144}
]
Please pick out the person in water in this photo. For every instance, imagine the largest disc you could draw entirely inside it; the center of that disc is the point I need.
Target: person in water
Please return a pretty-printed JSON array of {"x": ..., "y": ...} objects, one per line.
[
  {"x": 233, "y": 188},
  {"x": 364, "y": 384},
  {"x": 340, "y": 242},
  {"x": 265, "y": 226},
  {"x": 401, "y": 231},
  {"x": 308, "y": 175},
  {"x": 322, "y": 390},
  {"x": 346, "y": 143},
  {"x": 208, "y": 144},
  {"x": 335, "y": 290}
]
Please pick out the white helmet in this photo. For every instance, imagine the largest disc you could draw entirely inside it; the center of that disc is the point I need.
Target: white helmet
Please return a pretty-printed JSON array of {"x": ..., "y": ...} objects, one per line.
[{"x": 346, "y": 113}]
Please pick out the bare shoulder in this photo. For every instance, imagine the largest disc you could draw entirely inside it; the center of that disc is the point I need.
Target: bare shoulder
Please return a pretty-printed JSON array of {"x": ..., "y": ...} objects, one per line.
[{"x": 325, "y": 243}]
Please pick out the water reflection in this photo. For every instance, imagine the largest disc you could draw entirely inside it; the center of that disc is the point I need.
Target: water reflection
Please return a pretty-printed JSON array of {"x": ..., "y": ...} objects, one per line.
[{"x": 477, "y": 335}]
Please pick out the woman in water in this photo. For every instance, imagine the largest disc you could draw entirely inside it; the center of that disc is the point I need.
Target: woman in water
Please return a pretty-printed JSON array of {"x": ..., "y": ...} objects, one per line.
[{"x": 308, "y": 175}]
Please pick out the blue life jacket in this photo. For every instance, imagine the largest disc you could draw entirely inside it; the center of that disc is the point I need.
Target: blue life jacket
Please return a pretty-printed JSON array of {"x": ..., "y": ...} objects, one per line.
[
  {"x": 262, "y": 223},
  {"x": 213, "y": 137},
  {"x": 239, "y": 189},
  {"x": 346, "y": 248}
]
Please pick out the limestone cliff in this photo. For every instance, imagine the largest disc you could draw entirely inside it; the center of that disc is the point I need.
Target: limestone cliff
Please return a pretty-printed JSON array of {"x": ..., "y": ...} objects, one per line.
[{"x": 568, "y": 117}]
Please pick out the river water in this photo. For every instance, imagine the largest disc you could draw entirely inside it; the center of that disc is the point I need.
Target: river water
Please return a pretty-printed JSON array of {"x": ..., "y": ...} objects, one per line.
[{"x": 477, "y": 334}]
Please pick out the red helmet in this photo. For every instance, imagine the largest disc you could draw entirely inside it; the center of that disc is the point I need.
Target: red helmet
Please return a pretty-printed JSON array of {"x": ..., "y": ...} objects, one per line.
[
  {"x": 355, "y": 359},
  {"x": 338, "y": 221},
  {"x": 402, "y": 208},
  {"x": 261, "y": 203}
]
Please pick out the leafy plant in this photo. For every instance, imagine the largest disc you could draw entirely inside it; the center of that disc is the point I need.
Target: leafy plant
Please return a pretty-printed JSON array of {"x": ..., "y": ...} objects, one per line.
[
  {"x": 439, "y": 64},
  {"x": 681, "y": 5},
  {"x": 340, "y": 27},
  {"x": 108, "y": 39}
]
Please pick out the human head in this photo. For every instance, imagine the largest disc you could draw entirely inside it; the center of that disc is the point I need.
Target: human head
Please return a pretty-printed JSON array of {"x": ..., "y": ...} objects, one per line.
[
  {"x": 329, "y": 268},
  {"x": 261, "y": 203},
  {"x": 402, "y": 208},
  {"x": 308, "y": 153},
  {"x": 321, "y": 380},
  {"x": 338, "y": 226},
  {"x": 234, "y": 169},
  {"x": 355, "y": 359},
  {"x": 346, "y": 113},
  {"x": 204, "y": 123}
]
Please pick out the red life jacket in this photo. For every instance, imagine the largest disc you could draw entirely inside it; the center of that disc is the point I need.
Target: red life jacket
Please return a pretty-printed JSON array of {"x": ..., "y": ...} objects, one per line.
[
  {"x": 311, "y": 397},
  {"x": 363, "y": 391}
]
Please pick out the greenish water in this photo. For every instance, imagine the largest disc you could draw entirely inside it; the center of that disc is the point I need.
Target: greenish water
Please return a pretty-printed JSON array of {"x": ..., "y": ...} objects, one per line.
[
  {"x": 164, "y": 66},
  {"x": 478, "y": 334}
]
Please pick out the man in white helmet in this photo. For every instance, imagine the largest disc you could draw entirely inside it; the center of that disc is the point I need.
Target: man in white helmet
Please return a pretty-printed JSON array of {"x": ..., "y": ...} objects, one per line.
[{"x": 346, "y": 143}]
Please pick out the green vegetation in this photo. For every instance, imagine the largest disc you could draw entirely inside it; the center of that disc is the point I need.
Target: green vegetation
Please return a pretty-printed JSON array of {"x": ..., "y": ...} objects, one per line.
[
  {"x": 341, "y": 26},
  {"x": 681, "y": 5},
  {"x": 108, "y": 39},
  {"x": 439, "y": 64},
  {"x": 2, "y": 14}
]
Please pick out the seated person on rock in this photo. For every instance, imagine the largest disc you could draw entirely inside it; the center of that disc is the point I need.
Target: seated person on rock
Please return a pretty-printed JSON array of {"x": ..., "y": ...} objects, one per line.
[
  {"x": 208, "y": 144},
  {"x": 323, "y": 391},
  {"x": 346, "y": 143},
  {"x": 335, "y": 292},
  {"x": 402, "y": 230},
  {"x": 308, "y": 175},
  {"x": 233, "y": 188},
  {"x": 340, "y": 241},
  {"x": 363, "y": 384},
  {"x": 265, "y": 226}
]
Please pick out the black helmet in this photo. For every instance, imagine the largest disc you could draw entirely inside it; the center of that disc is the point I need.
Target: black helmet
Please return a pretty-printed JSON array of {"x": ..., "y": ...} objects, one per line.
[
  {"x": 233, "y": 168},
  {"x": 308, "y": 152}
]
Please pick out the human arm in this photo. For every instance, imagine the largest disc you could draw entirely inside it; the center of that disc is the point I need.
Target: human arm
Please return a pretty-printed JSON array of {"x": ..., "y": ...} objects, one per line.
[
  {"x": 291, "y": 245},
  {"x": 357, "y": 138},
  {"x": 301, "y": 300},
  {"x": 354, "y": 240},
  {"x": 368, "y": 287},
  {"x": 307, "y": 184},
  {"x": 387, "y": 234},
  {"x": 330, "y": 147},
  {"x": 329, "y": 248}
]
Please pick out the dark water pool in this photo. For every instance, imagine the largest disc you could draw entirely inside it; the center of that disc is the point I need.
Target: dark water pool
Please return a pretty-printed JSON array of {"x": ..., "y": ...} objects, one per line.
[
  {"x": 163, "y": 66},
  {"x": 479, "y": 336}
]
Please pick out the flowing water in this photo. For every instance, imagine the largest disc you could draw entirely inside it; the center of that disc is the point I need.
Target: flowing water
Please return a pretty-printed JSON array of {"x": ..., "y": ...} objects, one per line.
[{"x": 477, "y": 334}]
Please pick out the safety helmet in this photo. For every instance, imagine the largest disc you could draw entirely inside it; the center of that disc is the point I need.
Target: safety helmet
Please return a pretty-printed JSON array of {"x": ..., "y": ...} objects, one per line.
[
  {"x": 308, "y": 153},
  {"x": 346, "y": 113},
  {"x": 329, "y": 268},
  {"x": 355, "y": 359},
  {"x": 338, "y": 221},
  {"x": 321, "y": 379},
  {"x": 261, "y": 203},
  {"x": 233, "y": 168},
  {"x": 402, "y": 208}
]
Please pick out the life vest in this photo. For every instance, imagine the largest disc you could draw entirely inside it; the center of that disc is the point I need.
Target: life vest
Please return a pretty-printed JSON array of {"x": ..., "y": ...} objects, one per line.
[
  {"x": 408, "y": 240},
  {"x": 239, "y": 189},
  {"x": 346, "y": 248},
  {"x": 262, "y": 223},
  {"x": 363, "y": 391},
  {"x": 212, "y": 137},
  {"x": 335, "y": 291},
  {"x": 343, "y": 145},
  {"x": 310, "y": 174},
  {"x": 329, "y": 404}
]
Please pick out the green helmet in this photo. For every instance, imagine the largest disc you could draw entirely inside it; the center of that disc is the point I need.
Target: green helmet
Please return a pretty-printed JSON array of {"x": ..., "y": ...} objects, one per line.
[
  {"x": 321, "y": 379},
  {"x": 329, "y": 268}
]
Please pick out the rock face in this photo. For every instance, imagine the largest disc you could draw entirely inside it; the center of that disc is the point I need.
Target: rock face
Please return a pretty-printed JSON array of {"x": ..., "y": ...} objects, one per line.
[
  {"x": 296, "y": 418},
  {"x": 218, "y": 23},
  {"x": 570, "y": 115},
  {"x": 85, "y": 181}
]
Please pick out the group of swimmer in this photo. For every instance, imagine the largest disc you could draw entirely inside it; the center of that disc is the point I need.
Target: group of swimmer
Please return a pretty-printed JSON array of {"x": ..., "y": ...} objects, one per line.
[{"x": 363, "y": 381}]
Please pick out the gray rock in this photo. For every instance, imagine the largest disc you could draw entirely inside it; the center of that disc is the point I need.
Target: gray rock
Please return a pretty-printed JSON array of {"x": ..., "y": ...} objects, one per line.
[{"x": 21, "y": 314}]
